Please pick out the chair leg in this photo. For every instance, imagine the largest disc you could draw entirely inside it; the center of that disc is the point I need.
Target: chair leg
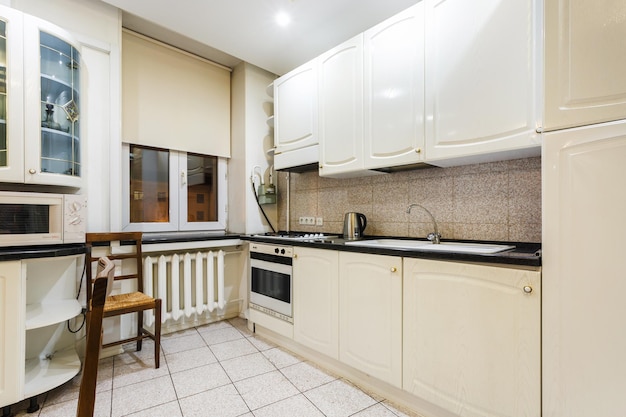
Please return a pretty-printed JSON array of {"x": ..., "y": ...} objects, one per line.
[
  {"x": 157, "y": 333},
  {"x": 139, "y": 330}
]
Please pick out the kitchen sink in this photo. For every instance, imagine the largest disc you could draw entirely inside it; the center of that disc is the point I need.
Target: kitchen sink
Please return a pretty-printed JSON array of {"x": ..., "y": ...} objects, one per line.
[{"x": 423, "y": 245}]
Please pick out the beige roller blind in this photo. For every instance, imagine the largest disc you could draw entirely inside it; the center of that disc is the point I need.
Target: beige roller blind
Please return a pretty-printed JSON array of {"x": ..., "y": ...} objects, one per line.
[{"x": 172, "y": 99}]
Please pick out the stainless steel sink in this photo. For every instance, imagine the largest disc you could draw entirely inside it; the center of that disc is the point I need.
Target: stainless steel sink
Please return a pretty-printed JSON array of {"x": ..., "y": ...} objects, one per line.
[{"x": 422, "y": 245}]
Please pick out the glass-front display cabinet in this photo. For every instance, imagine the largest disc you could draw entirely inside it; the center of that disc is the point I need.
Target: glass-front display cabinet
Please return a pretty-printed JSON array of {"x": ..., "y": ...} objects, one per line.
[
  {"x": 40, "y": 75},
  {"x": 53, "y": 103}
]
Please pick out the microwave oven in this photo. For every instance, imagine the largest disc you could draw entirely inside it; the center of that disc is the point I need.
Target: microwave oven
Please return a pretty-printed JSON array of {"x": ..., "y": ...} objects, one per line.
[{"x": 28, "y": 218}]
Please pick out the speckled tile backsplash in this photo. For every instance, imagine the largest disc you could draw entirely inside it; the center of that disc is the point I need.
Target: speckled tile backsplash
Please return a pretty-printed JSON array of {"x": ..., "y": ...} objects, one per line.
[{"x": 492, "y": 201}]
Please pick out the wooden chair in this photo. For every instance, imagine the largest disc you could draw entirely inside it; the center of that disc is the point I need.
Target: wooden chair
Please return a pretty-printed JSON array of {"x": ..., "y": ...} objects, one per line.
[
  {"x": 101, "y": 287},
  {"x": 126, "y": 303}
]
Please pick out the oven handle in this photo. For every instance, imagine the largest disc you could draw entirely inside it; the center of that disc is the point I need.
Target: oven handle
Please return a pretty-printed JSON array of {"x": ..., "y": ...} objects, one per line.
[{"x": 271, "y": 266}]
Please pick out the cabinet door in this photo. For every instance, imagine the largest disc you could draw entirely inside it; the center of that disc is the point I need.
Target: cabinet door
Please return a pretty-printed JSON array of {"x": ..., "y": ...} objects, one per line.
[
  {"x": 295, "y": 109},
  {"x": 370, "y": 314},
  {"x": 472, "y": 337},
  {"x": 316, "y": 299},
  {"x": 584, "y": 336},
  {"x": 481, "y": 88},
  {"x": 11, "y": 333},
  {"x": 584, "y": 63},
  {"x": 52, "y": 95},
  {"x": 341, "y": 108},
  {"x": 11, "y": 96},
  {"x": 394, "y": 90}
]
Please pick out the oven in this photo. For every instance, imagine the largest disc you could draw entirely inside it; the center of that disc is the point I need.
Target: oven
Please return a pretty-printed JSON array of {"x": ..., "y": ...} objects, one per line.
[{"x": 271, "y": 285}]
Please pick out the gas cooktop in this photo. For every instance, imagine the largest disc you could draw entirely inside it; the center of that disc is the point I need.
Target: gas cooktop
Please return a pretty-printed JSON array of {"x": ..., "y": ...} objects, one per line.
[{"x": 298, "y": 236}]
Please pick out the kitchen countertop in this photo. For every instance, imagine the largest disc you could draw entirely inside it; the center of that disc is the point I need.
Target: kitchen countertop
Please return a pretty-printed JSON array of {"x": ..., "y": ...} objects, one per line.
[
  {"x": 14, "y": 253},
  {"x": 527, "y": 254}
]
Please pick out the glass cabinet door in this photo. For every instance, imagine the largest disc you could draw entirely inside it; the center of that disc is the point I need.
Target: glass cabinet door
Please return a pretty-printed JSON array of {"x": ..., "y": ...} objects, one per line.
[
  {"x": 60, "y": 104},
  {"x": 11, "y": 96}
]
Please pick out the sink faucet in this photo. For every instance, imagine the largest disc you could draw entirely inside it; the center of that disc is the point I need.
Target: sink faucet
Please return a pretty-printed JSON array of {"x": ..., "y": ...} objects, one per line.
[{"x": 435, "y": 236}]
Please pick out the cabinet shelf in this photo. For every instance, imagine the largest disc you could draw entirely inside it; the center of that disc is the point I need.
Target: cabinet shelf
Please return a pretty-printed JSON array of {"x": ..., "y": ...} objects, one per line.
[
  {"x": 42, "y": 375},
  {"x": 51, "y": 312}
]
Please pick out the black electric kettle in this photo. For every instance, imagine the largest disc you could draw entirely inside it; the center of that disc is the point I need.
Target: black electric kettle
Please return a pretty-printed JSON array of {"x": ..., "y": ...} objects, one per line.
[{"x": 354, "y": 225}]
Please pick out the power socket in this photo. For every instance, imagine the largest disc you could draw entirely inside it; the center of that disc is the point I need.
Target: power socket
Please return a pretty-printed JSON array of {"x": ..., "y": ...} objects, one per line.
[
  {"x": 319, "y": 221},
  {"x": 309, "y": 221}
]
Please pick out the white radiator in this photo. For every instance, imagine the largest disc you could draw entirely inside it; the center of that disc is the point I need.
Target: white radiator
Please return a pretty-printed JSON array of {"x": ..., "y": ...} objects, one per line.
[{"x": 191, "y": 293}]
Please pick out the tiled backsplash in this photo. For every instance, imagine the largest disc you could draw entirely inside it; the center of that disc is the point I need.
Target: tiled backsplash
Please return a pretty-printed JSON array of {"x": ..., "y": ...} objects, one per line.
[{"x": 492, "y": 201}]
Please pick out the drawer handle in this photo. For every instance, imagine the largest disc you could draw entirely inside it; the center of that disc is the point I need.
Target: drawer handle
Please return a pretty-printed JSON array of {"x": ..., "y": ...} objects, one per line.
[{"x": 528, "y": 289}]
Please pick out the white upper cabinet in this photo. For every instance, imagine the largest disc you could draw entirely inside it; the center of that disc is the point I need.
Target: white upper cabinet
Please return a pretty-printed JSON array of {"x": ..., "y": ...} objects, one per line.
[
  {"x": 481, "y": 82},
  {"x": 41, "y": 103},
  {"x": 394, "y": 90},
  {"x": 11, "y": 96},
  {"x": 585, "y": 62},
  {"x": 295, "y": 122},
  {"x": 341, "y": 108}
]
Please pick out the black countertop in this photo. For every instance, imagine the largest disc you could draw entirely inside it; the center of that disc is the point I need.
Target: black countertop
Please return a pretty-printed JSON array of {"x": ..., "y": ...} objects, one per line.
[
  {"x": 527, "y": 254},
  {"x": 14, "y": 253}
]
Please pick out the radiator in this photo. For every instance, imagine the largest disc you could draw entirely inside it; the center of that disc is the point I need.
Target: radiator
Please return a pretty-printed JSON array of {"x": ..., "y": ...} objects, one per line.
[{"x": 188, "y": 290}]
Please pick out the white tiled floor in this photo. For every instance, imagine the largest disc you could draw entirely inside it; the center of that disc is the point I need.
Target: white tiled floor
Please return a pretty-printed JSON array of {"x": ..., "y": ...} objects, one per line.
[{"x": 219, "y": 370}]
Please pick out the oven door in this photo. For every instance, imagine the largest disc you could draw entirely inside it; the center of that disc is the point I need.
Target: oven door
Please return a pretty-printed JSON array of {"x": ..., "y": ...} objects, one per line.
[{"x": 270, "y": 286}]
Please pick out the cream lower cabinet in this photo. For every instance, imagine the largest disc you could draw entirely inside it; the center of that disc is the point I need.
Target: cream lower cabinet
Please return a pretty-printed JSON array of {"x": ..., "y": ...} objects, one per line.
[
  {"x": 370, "y": 314},
  {"x": 11, "y": 332},
  {"x": 472, "y": 337},
  {"x": 316, "y": 299},
  {"x": 37, "y": 352}
]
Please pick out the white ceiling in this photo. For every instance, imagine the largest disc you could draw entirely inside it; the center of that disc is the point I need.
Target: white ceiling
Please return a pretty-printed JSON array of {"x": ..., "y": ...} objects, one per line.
[{"x": 230, "y": 31}]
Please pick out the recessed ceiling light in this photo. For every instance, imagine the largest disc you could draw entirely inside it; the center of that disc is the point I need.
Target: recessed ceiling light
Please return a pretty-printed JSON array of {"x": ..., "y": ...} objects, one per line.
[{"x": 282, "y": 19}]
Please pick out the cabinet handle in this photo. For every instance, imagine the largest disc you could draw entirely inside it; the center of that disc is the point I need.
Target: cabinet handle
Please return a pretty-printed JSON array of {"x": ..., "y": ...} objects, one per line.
[
  {"x": 418, "y": 150},
  {"x": 183, "y": 178},
  {"x": 32, "y": 171},
  {"x": 295, "y": 256},
  {"x": 321, "y": 166},
  {"x": 394, "y": 269},
  {"x": 528, "y": 289}
]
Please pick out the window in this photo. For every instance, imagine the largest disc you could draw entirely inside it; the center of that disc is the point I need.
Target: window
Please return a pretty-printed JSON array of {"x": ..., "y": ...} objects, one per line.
[{"x": 166, "y": 190}]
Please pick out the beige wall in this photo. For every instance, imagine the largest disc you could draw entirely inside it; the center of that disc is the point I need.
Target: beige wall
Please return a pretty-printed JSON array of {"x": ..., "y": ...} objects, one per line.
[{"x": 491, "y": 201}]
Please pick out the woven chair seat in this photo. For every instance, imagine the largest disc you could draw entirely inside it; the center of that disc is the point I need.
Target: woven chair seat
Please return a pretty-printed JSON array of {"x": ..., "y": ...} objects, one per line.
[{"x": 127, "y": 301}]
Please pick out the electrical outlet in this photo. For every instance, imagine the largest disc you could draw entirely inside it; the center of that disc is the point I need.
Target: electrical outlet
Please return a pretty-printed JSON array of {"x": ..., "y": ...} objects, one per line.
[
  {"x": 319, "y": 221},
  {"x": 310, "y": 221}
]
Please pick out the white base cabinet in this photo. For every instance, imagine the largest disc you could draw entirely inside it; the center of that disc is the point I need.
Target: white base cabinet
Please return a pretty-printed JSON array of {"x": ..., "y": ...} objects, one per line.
[
  {"x": 472, "y": 337},
  {"x": 39, "y": 352},
  {"x": 316, "y": 299},
  {"x": 370, "y": 314}
]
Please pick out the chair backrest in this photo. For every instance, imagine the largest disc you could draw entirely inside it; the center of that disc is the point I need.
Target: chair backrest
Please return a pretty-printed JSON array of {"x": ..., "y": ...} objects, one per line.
[
  {"x": 87, "y": 393},
  {"x": 131, "y": 244}
]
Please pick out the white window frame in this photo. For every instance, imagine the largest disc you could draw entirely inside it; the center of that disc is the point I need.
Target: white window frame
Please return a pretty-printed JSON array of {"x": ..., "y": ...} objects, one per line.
[{"x": 178, "y": 193}]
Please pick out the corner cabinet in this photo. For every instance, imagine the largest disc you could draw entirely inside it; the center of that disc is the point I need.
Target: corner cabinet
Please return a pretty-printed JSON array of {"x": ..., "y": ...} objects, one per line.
[
  {"x": 482, "y": 86},
  {"x": 40, "y": 141},
  {"x": 39, "y": 352},
  {"x": 472, "y": 337},
  {"x": 295, "y": 125},
  {"x": 11, "y": 332},
  {"x": 370, "y": 314},
  {"x": 316, "y": 299}
]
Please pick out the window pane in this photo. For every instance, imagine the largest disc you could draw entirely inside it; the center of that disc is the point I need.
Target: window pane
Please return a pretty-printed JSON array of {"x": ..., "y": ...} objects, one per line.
[
  {"x": 149, "y": 185},
  {"x": 201, "y": 188}
]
